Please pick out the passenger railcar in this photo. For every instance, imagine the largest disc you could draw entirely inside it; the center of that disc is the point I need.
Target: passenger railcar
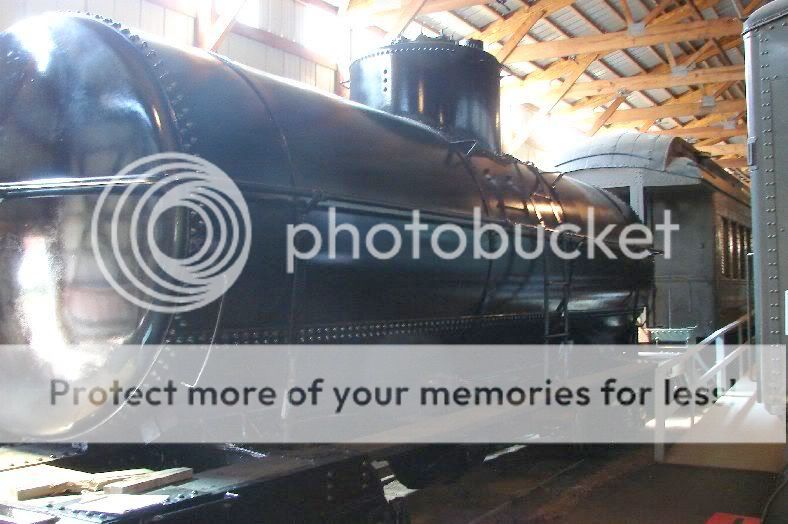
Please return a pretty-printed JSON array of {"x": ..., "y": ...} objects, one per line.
[{"x": 703, "y": 284}]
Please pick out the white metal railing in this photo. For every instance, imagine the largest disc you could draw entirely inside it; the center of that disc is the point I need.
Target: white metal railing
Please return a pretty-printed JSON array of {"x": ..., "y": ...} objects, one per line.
[{"x": 698, "y": 373}]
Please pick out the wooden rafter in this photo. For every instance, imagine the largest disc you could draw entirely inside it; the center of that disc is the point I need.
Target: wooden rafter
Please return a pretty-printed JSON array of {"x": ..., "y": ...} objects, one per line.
[
  {"x": 724, "y": 107},
  {"x": 556, "y": 95},
  {"x": 209, "y": 32},
  {"x": 605, "y": 116},
  {"x": 724, "y": 149},
  {"x": 683, "y": 12},
  {"x": 627, "y": 12},
  {"x": 751, "y": 7},
  {"x": 712, "y": 90},
  {"x": 560, "y": 68},
  {"x": 624, "y": 39},
  {"x": 732, "y": 163},
  {"x": 658, "y": 10},
  {"x": 567, "y": 68},
  {"x": 686, "y": 61},
  {"x": 703, "y": 132},
  {"x": 519, "y": 33},
  {"x": 593, "y": 25},
  {"x": 708, "y": 75},
  {"x": 501, "y": 28},
  {"x": 404, "y": 17},
  {"x": 570, "y": 76}
]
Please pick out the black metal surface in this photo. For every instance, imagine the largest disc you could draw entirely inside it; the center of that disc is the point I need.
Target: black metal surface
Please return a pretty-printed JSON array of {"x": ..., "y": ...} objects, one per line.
[
  {"x": 451, "y": 86},
  {"x": 89, "y": 97}
]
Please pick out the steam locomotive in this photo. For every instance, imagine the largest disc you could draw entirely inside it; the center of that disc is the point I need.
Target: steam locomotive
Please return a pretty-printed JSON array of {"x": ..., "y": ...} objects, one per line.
[{"x": 81, "y": 97}]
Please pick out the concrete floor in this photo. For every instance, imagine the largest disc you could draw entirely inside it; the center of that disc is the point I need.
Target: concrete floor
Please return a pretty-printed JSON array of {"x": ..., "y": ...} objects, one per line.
[{"x": 539, "y": 484}]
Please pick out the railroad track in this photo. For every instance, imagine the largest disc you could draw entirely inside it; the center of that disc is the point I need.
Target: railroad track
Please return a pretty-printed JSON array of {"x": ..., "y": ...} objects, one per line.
[{"x": 523, "y": 484}]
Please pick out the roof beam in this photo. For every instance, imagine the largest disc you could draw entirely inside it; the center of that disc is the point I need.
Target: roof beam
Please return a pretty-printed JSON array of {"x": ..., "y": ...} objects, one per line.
[
  {"x": 514, "y": 24},
  {"x": 713, "y": 90},
  {"x": 703, "y": 53},
  {"x": 210, "y": 33},
  {"x": 658, "y": 9},
  {"x": 657, "y": 34},
  {"x": 703, "y": 132},
  {"x": 732, "y": 163},
  {"x": 593, "y": 25},
  {"x": 605, "y": 116},
  {"x": 684, "y": 11},
  {"x": 677, "y": 110},
  {"x": 627, "y": 12},
  {"x": 566, "y": 68},
  {"x": 366, "y": 8},
  {"x": 404, "y": 17},
  {"x": 556, "y": 95},
  {"x": 724, "y": 149},
  {"x": 503, "y": 54},
  {"x": 752, "y": 6},
  {"x": 653, "y": 81}
]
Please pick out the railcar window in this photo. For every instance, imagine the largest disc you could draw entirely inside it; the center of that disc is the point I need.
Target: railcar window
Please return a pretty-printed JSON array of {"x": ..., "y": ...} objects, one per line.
[
  {"x": 734, "y": 244},
  {"x": 725, "y": 257},
  {"x": 734, "y": 249},
  {"x": 745, "y": 248}
]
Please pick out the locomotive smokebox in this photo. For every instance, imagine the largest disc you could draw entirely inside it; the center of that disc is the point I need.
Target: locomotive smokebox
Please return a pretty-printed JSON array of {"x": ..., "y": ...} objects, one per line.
[{"x": 451, "y": 86}]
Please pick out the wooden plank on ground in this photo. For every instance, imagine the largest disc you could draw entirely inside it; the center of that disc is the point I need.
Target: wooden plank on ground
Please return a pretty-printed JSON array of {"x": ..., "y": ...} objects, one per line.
[
  {"x": 149, "y": 482},
  {"x": 43, "y": 480}
]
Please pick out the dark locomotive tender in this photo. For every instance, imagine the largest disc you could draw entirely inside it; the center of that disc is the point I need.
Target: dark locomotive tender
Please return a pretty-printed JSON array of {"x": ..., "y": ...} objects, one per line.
[
  {"x": 96, "y": 97},
  {"x": 81, "y": 97}
]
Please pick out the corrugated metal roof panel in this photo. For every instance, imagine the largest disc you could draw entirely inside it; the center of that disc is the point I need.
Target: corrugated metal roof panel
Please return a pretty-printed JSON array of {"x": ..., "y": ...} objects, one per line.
[
  {"x": 597, "y": 70},
  {"x": 638, "y": 100},
  {"x": 602, "y": 15},
  {"x": 507, "y": 6},
  {"x": 568, "y": 21},
  {"x": 639, "y": 10},
  {"x": 476, "y": 16},
  {"x": 645, "y": 56},
  {"x": 450, "y": 25},
  {"x": 657, "y": 95},
  {"x": 726, "y": 9},
  {"x": 735, "y": 56},
  {"x": 544, "y": 32},
  {"x": 660, "y": 95},
  {"x": 622, "y": 63}
]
